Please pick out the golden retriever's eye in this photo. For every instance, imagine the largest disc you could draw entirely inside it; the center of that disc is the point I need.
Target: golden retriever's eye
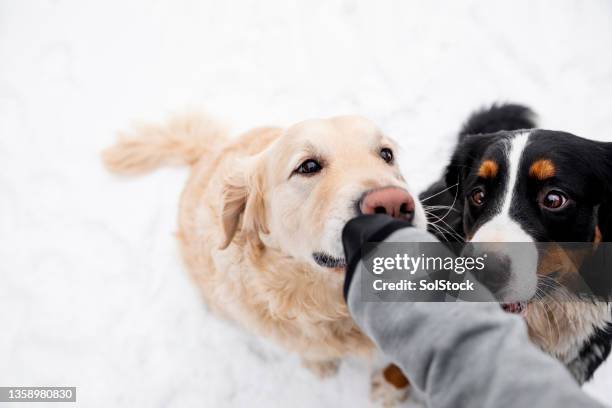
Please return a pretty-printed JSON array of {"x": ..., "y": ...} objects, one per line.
[
  {"x": 309, "y": 167},
  {"x": 553, "y": 200},
  {"x": 386, "y": 154},
  {"x": 477, "y": 196}
]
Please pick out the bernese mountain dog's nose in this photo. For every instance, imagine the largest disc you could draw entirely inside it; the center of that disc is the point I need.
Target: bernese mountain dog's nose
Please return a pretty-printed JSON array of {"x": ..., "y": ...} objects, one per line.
[
  {"x": 496, "y": 275},
  {"x": 393, "y": 201}
]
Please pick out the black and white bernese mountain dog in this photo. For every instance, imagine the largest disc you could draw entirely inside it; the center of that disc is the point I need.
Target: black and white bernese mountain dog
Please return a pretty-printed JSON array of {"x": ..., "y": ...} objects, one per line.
[{"x": 509, "y": 181}]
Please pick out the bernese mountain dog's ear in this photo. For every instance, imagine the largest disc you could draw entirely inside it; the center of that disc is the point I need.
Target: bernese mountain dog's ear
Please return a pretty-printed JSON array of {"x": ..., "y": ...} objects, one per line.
[
  {"x": 446, "y": 192},
  {"x": 467, "y": 153}
]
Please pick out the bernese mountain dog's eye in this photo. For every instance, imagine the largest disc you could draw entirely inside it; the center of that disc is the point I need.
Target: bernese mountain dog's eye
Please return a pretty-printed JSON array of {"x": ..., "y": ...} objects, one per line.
[
  {"x": 477, "y": 196},
  {"x": 386, "y": 154},
  {"x": 308, "y": 168},
  {"x": 553, "y": 200}
]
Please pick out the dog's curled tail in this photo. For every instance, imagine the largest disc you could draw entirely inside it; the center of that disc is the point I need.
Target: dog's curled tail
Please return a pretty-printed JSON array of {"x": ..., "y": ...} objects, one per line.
[
  {"x": 183, "y": 140},
  {"x": 507, "y": 116}
]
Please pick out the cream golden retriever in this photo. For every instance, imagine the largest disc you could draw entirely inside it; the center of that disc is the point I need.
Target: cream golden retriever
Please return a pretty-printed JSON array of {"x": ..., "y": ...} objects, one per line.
[{"x": 261, "y": 216}]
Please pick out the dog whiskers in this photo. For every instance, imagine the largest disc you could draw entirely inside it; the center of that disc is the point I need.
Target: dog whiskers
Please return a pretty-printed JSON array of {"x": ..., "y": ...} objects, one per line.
[
  {"x": 439, "y": 192},
  {"x": 448, "y": 229}
]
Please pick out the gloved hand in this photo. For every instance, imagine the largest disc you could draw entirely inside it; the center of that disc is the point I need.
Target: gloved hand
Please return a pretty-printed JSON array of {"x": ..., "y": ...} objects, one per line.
[{"x": 457, "y": 354}]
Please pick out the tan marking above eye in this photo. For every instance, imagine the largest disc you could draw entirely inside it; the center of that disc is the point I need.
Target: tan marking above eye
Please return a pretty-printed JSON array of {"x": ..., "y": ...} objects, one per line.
[
  {"x": 542, "y": 169},
  {"x": 488, "y": 169}
]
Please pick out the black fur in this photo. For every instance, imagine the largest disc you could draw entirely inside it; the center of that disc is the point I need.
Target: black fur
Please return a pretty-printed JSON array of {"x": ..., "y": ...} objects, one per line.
[
  {"x": 498, "y": 117},
  {"x": 593, "y": 353}
]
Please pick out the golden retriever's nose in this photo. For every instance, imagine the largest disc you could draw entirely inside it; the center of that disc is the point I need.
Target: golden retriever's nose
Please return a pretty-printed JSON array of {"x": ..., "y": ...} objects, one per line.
[{"x": 392, "y": 201}]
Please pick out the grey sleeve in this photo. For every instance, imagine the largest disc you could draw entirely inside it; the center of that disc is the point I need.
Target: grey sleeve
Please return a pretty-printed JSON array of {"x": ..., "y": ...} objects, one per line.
[{"x": 464, "y": 354}]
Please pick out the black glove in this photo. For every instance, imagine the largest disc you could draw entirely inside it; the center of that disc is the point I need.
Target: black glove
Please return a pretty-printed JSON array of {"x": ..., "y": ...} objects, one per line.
[{"x": 361, "y": 230}]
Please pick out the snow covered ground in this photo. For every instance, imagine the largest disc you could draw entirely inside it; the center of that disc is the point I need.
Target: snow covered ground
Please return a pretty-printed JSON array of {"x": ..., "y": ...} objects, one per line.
[{"x": 92, "y": 291}]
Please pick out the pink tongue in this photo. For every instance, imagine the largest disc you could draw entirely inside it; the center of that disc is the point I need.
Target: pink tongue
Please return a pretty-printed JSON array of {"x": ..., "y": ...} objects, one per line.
[{"x": 512, "y": 307}]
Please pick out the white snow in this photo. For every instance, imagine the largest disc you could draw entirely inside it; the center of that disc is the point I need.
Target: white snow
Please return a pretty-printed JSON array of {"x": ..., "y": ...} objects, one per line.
[{"x": 92, "y": 290}]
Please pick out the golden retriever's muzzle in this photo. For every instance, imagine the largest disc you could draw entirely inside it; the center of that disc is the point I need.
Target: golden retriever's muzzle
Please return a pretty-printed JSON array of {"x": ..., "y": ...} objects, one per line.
[{"x": 393, "y": 201}]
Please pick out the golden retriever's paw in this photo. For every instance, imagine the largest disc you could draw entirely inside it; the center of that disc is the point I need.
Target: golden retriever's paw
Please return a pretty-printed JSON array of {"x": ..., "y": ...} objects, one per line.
[
  {"x": 389, "y": 387},
  {"x": 322, "y": 369}
]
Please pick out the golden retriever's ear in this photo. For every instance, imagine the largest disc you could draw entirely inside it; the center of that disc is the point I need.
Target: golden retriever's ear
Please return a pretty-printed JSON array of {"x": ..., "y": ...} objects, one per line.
[{"x": 242, "y": 204}]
